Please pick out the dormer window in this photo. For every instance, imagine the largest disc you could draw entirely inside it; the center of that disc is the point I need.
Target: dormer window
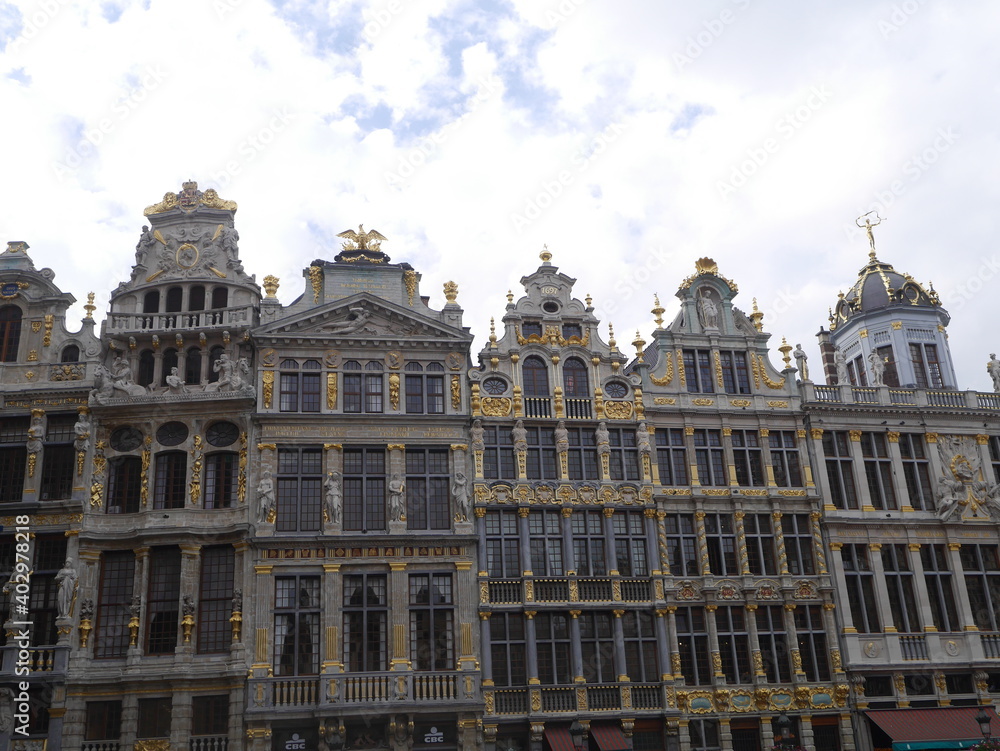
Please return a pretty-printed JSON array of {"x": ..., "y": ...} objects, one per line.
[
  {"x": 531, "y": 328},
  {"x": 572, "y": 329}
]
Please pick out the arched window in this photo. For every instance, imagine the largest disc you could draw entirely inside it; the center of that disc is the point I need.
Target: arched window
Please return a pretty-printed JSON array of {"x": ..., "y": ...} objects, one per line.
[
  {"x": 214, "y": 354},
  {"x": 169, "y": 363},
  {"x": 10, "y": 332},
  {"x": 575, "y": 379},
  {"x": 220, "y": 297},
  {"x": 151, "y": 302},
  {"x": 175, "y": 298},
  {"x": 196, "y": 298},
  {"x": 70, "y": 353},
  {"x": 535, "y": 376},
  {"x": 192, "y": 366},
  {"x": 146, "y": 366}
]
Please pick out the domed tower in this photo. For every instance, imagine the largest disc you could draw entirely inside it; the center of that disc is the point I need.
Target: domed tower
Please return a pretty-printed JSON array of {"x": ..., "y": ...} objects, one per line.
[{"x": 888, "y": 328}]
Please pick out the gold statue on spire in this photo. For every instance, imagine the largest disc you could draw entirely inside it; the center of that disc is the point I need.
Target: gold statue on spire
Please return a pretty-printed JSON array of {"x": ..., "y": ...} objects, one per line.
[
  {"x": 362, "y": 240},
  {"x": 868, "y": 226}
]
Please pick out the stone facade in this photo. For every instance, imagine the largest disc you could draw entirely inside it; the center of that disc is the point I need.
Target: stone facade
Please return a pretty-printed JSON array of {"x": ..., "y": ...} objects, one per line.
[{"x": 241, "y": 525}]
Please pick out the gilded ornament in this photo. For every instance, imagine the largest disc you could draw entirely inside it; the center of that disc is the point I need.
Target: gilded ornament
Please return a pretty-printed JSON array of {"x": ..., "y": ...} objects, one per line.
[
  {"x": 195, "y": 485},
  {"x": 241, "y": 482},
  {"x": 616, "y": 410},
  {"x": 270, "y": 286},
  {"x": 681, "y": 377},
  {"x": 144, "y": 480},
  {"x": 316, "y": 279},
  {"x": 268, "y": 379},
  {"x": 450, "y": 292},
  {"x": 703, "y": 402},
  {"x": 456, "y": 392},
  {"x": 668, "y": 373},
  {"x": 718, "y": 372},
  {"x": 47, "y": 337},
  {"x": 394, "y": 390},
  {"x": 778, "y": 404},
  {"x": 664, "y": 400},
  {"x": 742, "y": 403},
  {"x": 410, "y": 281}
]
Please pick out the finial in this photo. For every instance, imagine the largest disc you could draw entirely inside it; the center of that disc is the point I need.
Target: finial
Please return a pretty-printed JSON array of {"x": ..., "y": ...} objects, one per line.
[
  {"x": 271, "y": 286},
  {"x": 545, "y": 255},
  {"x": 611, "y": 337},
  {"x": 784, "y": 349},
  {"x": 657, "y": 311},
  {"x": 589, "y": 300},
  {"x": 451, "y": 292},
  {"x": 757, "y": 317},
  {"x": 493, "y": 333},
  {"x": 639, "y": 343},
  {"x": 90, "y": 307},
  {"x": 867, "y": 226},
  {"x": 510, "y": 297}
]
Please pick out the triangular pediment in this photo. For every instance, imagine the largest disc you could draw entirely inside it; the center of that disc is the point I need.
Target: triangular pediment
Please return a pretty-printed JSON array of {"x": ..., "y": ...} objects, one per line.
[{"x": 361, "y": 317}]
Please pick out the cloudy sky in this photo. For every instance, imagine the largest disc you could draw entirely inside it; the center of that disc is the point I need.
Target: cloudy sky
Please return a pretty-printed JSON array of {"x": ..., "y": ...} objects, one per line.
[{"x": 630, "y": 137}]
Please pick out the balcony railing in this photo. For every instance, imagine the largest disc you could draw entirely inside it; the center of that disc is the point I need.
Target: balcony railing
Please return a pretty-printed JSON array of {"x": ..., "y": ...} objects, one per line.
[
  {"x": 946, "y": 398},
  {"x": 101, "y": 746},
  {"x": 513, "y": 591},
  {"x": 209, "y": 743},
  {"x": 991, "y": 646},
  {"x": 363, "y": 688},
  {"x": 828, "y": 393},
  {"x": 558, "y": 700},
  {"x": 989, "y": 401},
  {"x": 537, "y": 406},
  {"x": 578, "y": 409},
  {"x": 294, "y": 692},
  {"x": 865, "y": 396},
  {"x": 595, "y": 590},
  {"x": 902, "y": 397},
  {"x": 612, "y": 697},
  {"x": 203, "y": 319},
  {"x": 551, "y": 590},
  {"x": 913, "y": 647},
  {"x": 505, "y": 591},
  {"x": 511, "y": 701}
]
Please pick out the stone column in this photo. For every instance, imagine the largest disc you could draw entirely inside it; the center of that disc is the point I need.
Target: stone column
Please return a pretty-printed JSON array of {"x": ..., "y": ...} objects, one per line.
[
  {"x": 487, "y": 654},
  {"x": 663, "y": 645},
  {"x": 702, "y": 542},
  {"x": 727, "y": 450},
  {"x": 138, "y": 622},
  {"x": 674, "y": 644},
  {"x": 958, "y": 576},
  {"x": 779, "y": 541},
  {"x": 760, "y": 675},
  {"x": 465, "y": 614},
  {"x": 531, "y": 647},
  {"x": 892, "y": 444},
  {"x": 180, "y": 719},
  {"x": 830, "y": 625},
  {"x": 190, "y": 587},
  {"x": 242, "y": 580},
  {"x": 920, "y": 585},
  {"x": 815, "y": 450},
  {"x": 569, "y": 556},
  {"x": 858, "y": 462},
  {"x": 399, "y": 617},
  {"x": 333, "y": 596},
  {"x": 130, "y": 719},
  {"x": 713, "y": 643},
  {"x": 609, "y": 541},
  {"x": 793, "y": 641},
  {"x": 689, "y": 449},
  {"x": 652, "y": 527},
  {"x": 881, "y": 590},
  {"x": 576, "y": 649},
  {"x": 619, "y": 631},
  {"x": 765, "y": 457},
  {"x": 396, "y": 466},
  {"x": 263, "y": 607},
  {"x": 741, "y": 542},
  {"x": 524, "y": 540},
  {"x": 840, "y": 582},
  {"x": 481, "y": 535}
]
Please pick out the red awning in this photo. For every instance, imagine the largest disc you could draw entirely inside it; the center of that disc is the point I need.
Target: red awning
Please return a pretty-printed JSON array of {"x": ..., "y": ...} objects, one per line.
[
  {"x": 559, "y": 738},
  {"x": 938, "y": 724},
  {"x": 609, "y": 737}
]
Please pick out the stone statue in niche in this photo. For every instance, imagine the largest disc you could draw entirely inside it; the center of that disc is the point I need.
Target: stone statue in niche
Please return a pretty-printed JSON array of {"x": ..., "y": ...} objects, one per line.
[
  {"x": 603, "y": 438},
  {"x": 66, "y": 579},
  {"x": 708, "y": 310},
  {"x": 520, "y": 436},
  {"x": 477, "y": 435},
  {"x": 334, "y": 497},
  {"x": 82, "y": 431},
  {"x": 562, "y": 437},
  {"x": 265, "y": 496},
  {"x": 460, "y": 495},
  {"x": 642, "y": 440},
  {"x": 397, "y": 498}
]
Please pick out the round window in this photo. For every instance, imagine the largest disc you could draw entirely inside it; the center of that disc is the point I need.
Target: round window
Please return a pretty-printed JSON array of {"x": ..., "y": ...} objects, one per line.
[
  {"x": 550, "y": 307},
  {"x": 126, "y": 439},
  {"x": 616, "y": 390},
  {"x": 494, "y": 386},
  {"x": 222, "y": 434},
  {"x": 171, "y": 433}
]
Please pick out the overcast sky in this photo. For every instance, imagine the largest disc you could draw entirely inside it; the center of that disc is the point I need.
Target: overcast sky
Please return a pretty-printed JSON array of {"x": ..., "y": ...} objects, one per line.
[{"x": 630, "y": 137}]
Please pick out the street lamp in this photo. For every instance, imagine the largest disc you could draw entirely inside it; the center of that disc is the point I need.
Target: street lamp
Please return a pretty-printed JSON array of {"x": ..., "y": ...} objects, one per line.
[
  {"x": 985, "y": 723},
  {"x": 576, "y": 733},
  {"x": 785, "y": 728}
]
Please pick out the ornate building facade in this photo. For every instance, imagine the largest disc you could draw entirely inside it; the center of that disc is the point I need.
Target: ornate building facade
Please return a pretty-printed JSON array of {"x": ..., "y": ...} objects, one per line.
[{"x": 236, "y": 524}]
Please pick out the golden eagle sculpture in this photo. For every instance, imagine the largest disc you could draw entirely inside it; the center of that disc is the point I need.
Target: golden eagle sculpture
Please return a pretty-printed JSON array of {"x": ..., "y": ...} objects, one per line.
[{"x": 362, "y": 240}]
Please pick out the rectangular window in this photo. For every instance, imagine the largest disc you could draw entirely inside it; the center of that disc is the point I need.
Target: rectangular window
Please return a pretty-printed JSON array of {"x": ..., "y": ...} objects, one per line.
[
  {"x": 630, "y": 543},
  {"x": 940, "y": 593},
  {"x": 352, "y": 392},
  {"x": 432, "y": 622},
  {"x": 671, "y": 456},
  {"x": 59, "y": 458},
  {"x": 916, "y": 471},
  {"x": 541, "y": 459},
  {"x": 424, "y": 391},
  {"x": 104, "y": 721},
  {"x": 797, "y": 532},
  {"x": 734, "y": 644},
  {"x": 210, "y": 715},
  {"x": 545, "y": 538},
  {"x": 598, "y": 647},
  {"x": 221, "y": 478},
  {"x": 785, "y": 459},
  {"x": 995, "y": 456},
  {"x": 721, "y": 545},
  {"x": 811, "y": 634},
  {"x": 926, "y": 366},
  {"x": 498, "y": 455},
  {"x": 698, "y": 371},
  {"x": 288, "y": 392},
  {"x": 154, "y": 718},
  {"x": 692, "y": 641},
  {"x": 50, "y": 552},
  {"x": 300, "y": 489},
  {"x": 366, "y": 613},
  {"x": 710, "y": 457},
  {"x": 124, "y": 484},
  {"x": 624, "y": 455},
  {"x": 373, "y": 393},
  {"x": 364, "y": 490},
  {"x": 508, "y": 649},
  {"x": 890, "y": 376},
  {"x": 111, "y": 634},
  {"x": 772, "y": 636},
  {"x": 553, "y": 640},
  {"x": 981, "y": 564},
  {"x": 13, "y": 455},
  {"x": 171, "y": 480},
  {"x": 296, "y": 625},
  {"x": 735, "y": 374},
  {"x": 640, "y": 646},
  {"x": 428, "y": 498},
  {"x": 760, "y": 544},
  {"x": 878, "y": 470},
  {"x": 582, "y": 454},
  {"x": 747, "y": 458},
  {"x": 163, "y": 600},
  {"x": 588, "y": 543},
  {"x": 215, "y": 601},
  {"x": 682, "y": 544},
  {"x": 502, "y": 557},
  {"x": 856, "y": 371},
  {"x": 840, "y": 469},
  {"x": 705, "y": 735},
  {"x": 861, "y": 588}
]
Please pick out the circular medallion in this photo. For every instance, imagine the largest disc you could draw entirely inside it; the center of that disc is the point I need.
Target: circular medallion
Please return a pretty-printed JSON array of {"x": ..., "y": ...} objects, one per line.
[
  {"x": 951, "y": 648},
  {"x": 222, "y": 433},
  {"x": 615, "y": 390},
  {"x": 126, "y": 439},
  {"x": 9, "y": 290},
  {"x": 171, "y": 433},
  {"x": 872, "y": 649},
  {"x": 187, "y": 256},
  {"x": 495, "y": 386}
]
